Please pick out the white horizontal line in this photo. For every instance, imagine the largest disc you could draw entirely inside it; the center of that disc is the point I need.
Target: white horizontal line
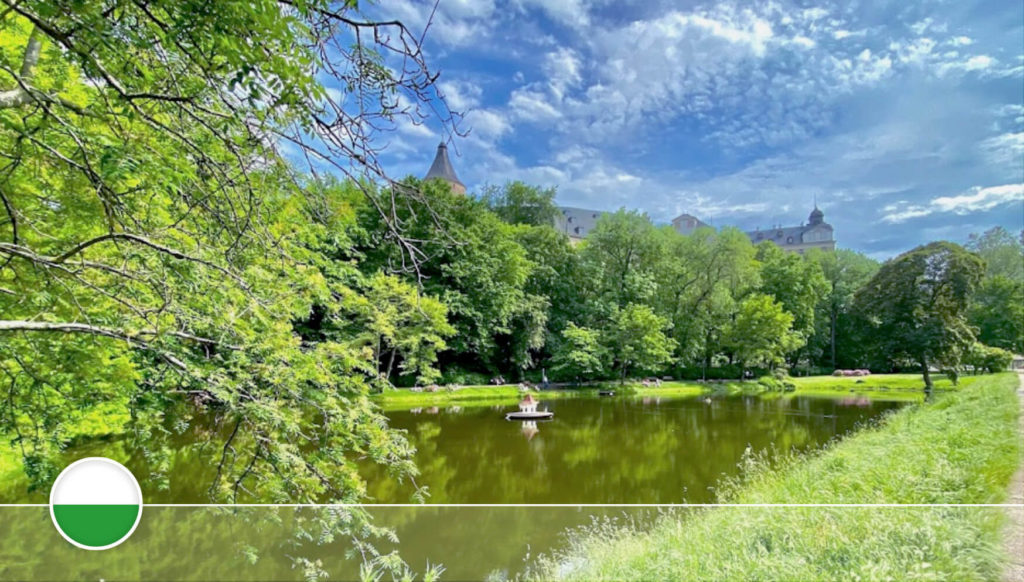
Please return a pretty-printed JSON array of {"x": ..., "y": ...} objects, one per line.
[{"x": 544, "y": 505}]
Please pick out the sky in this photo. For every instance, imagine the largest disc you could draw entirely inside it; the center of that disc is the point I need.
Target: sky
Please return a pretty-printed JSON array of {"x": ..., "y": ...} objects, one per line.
[{"x": 904, "y": 120}]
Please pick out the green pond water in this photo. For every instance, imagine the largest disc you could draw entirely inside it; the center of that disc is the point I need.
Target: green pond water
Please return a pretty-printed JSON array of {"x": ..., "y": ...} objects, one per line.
[{"x": 596, "y": 450}]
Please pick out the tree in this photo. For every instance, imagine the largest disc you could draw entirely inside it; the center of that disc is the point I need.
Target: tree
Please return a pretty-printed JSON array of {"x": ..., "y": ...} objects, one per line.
[
  {"x": 519, "y": 203},
  {"x": 762, "y": 332},
  {"x": 469, "y": 260},
  {"x": 916, "y": 305},
  {"x": 845, "y": 271},
  {"x": 637, "y": 340},
  {"x": 795, "y": 282},
  {"x": 151, "y": 228},
  {"x": 580, "y": 353},
  {"x": 395, "y": 322},
  {"x": 998, "y": 307},
  {"x": 159, "y": 253},
  {"x": 620, "y": 256},
  {"x": 700, "y": 280},
  {"x": 1003, "y": 254},
  {"x": 998, "y": 313}
]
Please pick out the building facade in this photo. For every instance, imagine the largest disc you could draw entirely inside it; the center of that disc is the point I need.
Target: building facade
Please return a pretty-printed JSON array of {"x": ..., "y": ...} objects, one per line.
[
  {"x": 576, "y": 223},
  {"x": 816, "y": 234},
  {"x": 687, "y": 223}
]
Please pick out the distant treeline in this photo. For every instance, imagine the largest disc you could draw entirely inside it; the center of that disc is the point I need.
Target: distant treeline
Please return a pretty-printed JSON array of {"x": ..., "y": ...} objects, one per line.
[{"x": 638, "y": 299}]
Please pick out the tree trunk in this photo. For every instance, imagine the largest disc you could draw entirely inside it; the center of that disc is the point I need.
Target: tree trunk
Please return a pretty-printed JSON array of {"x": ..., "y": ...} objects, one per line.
[
  {"x": 927, "y": 377},
  {"x": 391, "y": 364},
  {"x": 832, "y": 341}
]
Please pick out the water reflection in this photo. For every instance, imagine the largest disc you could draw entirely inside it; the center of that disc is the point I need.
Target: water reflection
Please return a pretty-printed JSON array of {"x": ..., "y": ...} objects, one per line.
[{"x": 610, "y": 450}]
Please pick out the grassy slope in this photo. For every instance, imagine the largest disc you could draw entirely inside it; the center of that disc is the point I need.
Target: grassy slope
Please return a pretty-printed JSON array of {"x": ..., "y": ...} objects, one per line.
[{"x": 962, "y": 448}]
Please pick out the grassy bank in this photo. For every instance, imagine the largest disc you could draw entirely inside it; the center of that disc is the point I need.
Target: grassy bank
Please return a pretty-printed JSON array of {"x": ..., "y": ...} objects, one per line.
[
  {"x": 961, "y": 448},
  {"x": 468, "y": 396},
  {"x": 883, "y": 386}
]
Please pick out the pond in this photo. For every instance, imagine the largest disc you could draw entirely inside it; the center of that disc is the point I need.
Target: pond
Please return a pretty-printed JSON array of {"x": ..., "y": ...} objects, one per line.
[
  {"x": 618, "y": 450},
  {"x": 607, "y": 450}
]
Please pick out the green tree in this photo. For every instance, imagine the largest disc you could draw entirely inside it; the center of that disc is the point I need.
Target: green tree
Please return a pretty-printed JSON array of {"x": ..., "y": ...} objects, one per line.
[
  {"x": 998, "y": 307},
  {"x": 845, "y": 271},
  {"x": 700, "y": 280},
  {"x": 998, "y": 312},
  {"x": 916, "y": 305},
  {"x": 519, "y": 203},
  {"x": 579, "y": 353},
  {"x": 620, "y": 256},
  {"x": 637, "y": 340},
  {"x": 1003, "y": 254},
  {"x": 468, "y": 259},
  {"x": 762, "y": 332},
  {"x": 396, "y": 323},
  {"x": 158, "y": 255},
  {"x": 795, "y": 282}
]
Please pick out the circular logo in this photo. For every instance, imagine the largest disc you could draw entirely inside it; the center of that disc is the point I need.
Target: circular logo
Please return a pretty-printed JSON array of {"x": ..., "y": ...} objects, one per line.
[{"x": 96, "y": 503}]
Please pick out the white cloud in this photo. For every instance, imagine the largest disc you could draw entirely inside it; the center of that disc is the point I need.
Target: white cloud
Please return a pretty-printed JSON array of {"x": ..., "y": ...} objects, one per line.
[
  {"x": 567, "y": 12},
  {"x": 978, "y": 62},
  {"x": 975, "y": 199},
  {"x": 486, "y": 124},
  {"x": 531, "y": 105},
  {"x": 563, "y": 70},
  {"x": 978, "y": 199},
  {"x": 461, "y": 96}
]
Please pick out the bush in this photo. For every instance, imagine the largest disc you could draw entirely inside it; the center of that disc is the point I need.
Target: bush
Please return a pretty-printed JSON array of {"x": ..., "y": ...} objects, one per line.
[
  {"x": 727, "y": 372},
  {"x": 456, "y": 375},
  {"x": 988, "y": 358},
  {"x": 777, "y": 382}
]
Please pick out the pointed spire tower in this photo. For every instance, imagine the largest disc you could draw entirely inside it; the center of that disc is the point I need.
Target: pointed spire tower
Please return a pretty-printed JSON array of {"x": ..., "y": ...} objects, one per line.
[{"x": 442, "y": 168}]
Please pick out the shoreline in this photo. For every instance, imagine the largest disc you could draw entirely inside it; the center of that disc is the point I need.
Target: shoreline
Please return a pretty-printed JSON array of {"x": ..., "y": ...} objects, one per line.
[{"x": 892, "y": 387}]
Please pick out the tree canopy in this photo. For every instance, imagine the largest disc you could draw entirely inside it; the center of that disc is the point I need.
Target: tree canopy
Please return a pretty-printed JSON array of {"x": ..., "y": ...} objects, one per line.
[{"x": 916, "y": 305}]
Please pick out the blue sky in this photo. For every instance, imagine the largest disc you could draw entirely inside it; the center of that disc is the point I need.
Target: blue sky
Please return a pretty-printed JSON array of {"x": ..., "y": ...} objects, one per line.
[{"x": 906, "y": 121}]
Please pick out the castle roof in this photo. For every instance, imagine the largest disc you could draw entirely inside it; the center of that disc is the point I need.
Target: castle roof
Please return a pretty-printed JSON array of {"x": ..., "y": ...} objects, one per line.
[{"x": 442, "y": 167}]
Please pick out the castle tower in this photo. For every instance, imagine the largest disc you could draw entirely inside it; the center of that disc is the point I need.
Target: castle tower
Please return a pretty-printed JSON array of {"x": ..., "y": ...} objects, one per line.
[
  {"x": 442, "y": 168},
  {"x": 816, "y": 217}
]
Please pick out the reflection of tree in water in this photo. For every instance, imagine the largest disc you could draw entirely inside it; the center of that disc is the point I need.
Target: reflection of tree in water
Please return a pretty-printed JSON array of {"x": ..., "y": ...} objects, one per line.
[{"x": 607, "y": 450}]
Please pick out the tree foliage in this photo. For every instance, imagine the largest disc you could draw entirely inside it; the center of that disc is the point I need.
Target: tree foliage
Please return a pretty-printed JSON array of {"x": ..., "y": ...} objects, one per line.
[
  {"x": 637, "y": 340},
  {"x": 916, "y": 305},
  {"x": 519, "y": 203},
  {"x": 580, "y": 353},
  {"x": 762, "y": 332}
]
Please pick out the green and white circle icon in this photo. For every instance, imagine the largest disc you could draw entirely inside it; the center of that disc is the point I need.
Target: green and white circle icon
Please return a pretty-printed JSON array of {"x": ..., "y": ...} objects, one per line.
[{"x": 96, "y": 503}]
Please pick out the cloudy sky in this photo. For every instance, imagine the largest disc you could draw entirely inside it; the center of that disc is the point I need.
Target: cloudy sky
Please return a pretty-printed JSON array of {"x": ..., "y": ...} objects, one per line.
[{"x": 905, "y": 120}]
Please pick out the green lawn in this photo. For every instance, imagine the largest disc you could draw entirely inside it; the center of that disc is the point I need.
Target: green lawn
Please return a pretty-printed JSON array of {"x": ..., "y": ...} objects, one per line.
[
  {"x": 907, "y": 387},
  {"x": 468, "y": 396},
  {"x": 961, "y": 448}
]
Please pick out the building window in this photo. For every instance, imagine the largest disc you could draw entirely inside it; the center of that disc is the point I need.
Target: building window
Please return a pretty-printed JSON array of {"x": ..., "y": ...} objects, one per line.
[
  {"x": 760, "y": 236},
  {"x": 577, "y": 230},
  {"x": 789, "y": 240},
  {"x": 569, "y": 219}
]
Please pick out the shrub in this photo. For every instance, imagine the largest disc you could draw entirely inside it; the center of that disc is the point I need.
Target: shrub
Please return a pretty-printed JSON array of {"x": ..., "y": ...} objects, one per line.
[{"x": 462, "y": 377}]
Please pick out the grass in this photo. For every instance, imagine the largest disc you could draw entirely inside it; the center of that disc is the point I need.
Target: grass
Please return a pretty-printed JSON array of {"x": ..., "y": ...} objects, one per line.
[
  {"x": 468, "y": 396},
  {"x": 905, "y": 387},
  {"x": 961, "y": 448}
]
